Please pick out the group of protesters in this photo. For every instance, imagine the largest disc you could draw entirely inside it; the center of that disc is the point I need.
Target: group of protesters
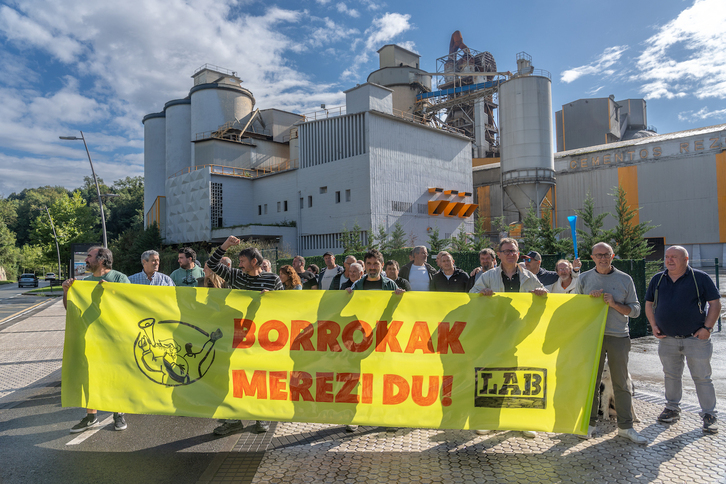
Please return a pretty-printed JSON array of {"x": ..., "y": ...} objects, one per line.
[{"x": 682, "y": 331}]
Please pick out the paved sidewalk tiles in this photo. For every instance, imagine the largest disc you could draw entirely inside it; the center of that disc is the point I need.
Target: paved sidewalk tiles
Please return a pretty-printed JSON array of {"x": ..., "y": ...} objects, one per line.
[{"x": 302, "y": 453}]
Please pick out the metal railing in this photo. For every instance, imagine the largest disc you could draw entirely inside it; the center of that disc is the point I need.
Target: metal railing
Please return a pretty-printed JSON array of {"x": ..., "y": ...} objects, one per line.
[
  {"x": 242, "y": 172},
  {"x": 324, "y": 113},
  {"x": 214, "y": 68}
]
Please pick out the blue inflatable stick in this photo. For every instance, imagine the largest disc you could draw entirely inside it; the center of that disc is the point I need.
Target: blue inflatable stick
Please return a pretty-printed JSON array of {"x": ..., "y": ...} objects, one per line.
[{"x": 573, "y": 223}]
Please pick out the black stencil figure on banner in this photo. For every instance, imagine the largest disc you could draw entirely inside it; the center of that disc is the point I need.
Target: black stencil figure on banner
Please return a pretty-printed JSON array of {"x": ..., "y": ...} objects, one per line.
[{"x": 161, "y": 359}]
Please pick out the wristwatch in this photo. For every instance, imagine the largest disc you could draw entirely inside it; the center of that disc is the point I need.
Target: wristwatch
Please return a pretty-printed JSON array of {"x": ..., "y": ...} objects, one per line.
[{"x": 710, "y": 330}]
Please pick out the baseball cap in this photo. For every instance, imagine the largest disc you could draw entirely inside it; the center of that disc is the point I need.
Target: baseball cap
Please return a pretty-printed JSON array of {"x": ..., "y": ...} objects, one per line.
[{"x": 533, "y": 254}]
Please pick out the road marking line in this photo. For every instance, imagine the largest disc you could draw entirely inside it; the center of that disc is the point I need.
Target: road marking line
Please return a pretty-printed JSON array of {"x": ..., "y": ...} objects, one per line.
[
  {"x": 88, "y": 433},
  {"x": 21, "y": 312}
]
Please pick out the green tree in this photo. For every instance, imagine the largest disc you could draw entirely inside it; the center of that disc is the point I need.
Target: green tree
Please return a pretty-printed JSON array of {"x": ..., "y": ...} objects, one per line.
[
  {"x": 550, "y": 242},
  {"x": 8, "y": 211},
  {"x": 531, "y": 232},
  {"x": 351, "y": 240},
  {"x": 437, "y": 244},
  {"x": 125, "y": 211},
  {"x": 398, "y": 237},
  {"x": 32, "y": 259},
  {"x": 460, "y": 243},
  {"x": 500, "y": 225},
  {"x": 629, "y": 237},
  {"x": 378, "y": 240},
  {"x": 28, "y": 202},
  {"x": 74, "y": 223},
  {"x": 9, "y": 253},
  {"x": 586, "y": 239},
  {"x": 480, "y": 238}
]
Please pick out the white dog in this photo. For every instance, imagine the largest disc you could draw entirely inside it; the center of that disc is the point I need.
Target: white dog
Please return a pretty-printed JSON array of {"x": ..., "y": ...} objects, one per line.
[{"x": 607, "y": 395}]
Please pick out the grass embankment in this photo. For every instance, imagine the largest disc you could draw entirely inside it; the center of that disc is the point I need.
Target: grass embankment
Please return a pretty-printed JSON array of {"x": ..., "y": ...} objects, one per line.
[{"x": 46, "y": 291}]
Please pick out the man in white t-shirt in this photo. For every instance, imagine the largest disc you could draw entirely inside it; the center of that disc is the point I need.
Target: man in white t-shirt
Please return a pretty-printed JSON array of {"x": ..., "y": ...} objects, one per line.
[
  {"x": 328, "y": 273},
  {"x": 418, "y": 272}
]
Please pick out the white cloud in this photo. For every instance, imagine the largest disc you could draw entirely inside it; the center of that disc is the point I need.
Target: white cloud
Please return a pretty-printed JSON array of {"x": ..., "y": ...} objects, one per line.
[
  {"x": 408, "y": 45},
  {"x": 343, "y": 8},
  {"x": 703, "y": 113},
  {"x": 371, "y": 5},
  {"x": 330, "y": 32},
  {"x": 384, "y": 29},
  {"x": 686, "y": 56},
  {"x": 27, "y": 32},
  {"x": 599, "y": 66}
]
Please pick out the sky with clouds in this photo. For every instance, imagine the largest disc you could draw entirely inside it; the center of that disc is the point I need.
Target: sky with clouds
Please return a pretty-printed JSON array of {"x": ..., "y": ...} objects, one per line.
[{"x": 100, "y": 67}]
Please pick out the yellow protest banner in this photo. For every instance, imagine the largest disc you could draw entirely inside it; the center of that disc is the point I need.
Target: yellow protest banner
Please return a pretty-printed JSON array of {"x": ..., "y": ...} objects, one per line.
[{"x": 433, "y": 360}]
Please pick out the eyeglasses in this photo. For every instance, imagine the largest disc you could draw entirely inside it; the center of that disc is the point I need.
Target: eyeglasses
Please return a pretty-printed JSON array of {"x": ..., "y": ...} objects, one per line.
[
  {"x": 509, "y": 252},
  {"x": 602, "y": 256},
  {"x": 527, "y": 259}
]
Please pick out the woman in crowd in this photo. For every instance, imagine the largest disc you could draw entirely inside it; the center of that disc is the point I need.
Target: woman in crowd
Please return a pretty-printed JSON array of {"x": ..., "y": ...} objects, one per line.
[
  {"x": 211, "y": 279},
  {"x": 289, "y": 278}
]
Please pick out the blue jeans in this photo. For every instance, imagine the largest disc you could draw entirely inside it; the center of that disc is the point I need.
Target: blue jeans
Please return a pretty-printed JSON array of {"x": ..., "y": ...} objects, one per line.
[{"x": 697, "y": 355}]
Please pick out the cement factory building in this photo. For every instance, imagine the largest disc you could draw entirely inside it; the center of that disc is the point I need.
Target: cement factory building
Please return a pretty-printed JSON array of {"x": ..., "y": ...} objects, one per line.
[
  {"x": 426, "y": 155},
  {"x": 214, "y": 166}
]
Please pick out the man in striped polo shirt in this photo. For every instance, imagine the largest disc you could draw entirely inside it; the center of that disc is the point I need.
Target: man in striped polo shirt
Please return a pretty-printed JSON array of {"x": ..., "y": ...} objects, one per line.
[{"x": 249, "y": 277}]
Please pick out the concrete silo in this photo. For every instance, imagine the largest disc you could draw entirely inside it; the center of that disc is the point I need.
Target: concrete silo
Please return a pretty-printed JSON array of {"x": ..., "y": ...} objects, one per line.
[
  {"x": 217, "y": 99},
  {"x": 154, "y": 160},
  {"x": 178, "y": 135},
  {"x": 525, "y": 121}
]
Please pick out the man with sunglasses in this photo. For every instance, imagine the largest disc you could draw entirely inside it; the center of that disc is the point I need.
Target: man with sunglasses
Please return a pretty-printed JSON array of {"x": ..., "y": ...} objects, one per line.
[
  {"x": 618, "y": 291},
  {"x": 676, "y": 310}
]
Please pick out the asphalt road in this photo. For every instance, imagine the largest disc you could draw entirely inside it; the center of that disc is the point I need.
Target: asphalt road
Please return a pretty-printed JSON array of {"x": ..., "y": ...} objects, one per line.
[
  {"x": 38, "y": 448},
  {"x": 12, "y": 300}
]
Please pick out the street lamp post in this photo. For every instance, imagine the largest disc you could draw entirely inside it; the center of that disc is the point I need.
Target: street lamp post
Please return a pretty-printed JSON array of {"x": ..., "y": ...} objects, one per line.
[
  {"x": 55, "y": 236},
  {"x": 98, "y": 190}
]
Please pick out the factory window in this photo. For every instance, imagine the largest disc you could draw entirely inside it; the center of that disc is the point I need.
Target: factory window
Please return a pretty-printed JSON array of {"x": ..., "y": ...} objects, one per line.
[
  {"x": 216, "y": 205},
  {"x": 259, "y": 209},
  {"x": 323, "y": 190},
  {"x": 423, "y": 208},
  {"x": 401, "y": 206},
  {"x": 310, "y": 201},
  {"x": 265, "y": 209},
  {"x": 285, "y": 205},
  {"x": 279, "y": 206},
  {"x": 337, "y": 197},
  {"x": 301, "y": 202},
  {"x": 347, "y": 195}
]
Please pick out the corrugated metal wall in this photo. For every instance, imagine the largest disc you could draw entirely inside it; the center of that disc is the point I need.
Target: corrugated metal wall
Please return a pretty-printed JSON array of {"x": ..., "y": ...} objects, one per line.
[{"x": 331, "y": 139}]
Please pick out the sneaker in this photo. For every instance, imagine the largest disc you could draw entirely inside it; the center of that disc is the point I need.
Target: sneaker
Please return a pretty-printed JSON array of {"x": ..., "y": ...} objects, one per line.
[
  {"x": 589, "y": 434},
  {"x": 229, "y": 427},
  {"x": 669, "y": 416},
  {"x": 261, "y": 427},
  {"x": 633, "y": 435},
  {"x": 351, "y": 428},
  {"x": 482, "y": 432},
  {"x": 530, "y": 434},
  {"x": 119, "y": 422},
  {"x": 89, "y": 421},
  {"x": 710, "y": 424}
]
